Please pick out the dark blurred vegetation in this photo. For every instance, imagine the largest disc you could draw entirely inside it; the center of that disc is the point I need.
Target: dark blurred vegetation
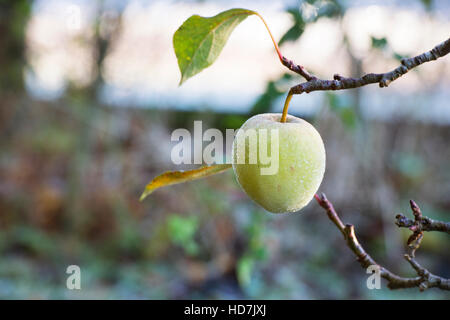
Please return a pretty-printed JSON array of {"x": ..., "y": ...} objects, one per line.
[{"x": 72, "y": 170}]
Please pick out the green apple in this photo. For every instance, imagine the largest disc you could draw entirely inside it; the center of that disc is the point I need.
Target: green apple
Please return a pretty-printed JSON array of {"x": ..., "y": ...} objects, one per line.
[{"x": 282, "y": 170}]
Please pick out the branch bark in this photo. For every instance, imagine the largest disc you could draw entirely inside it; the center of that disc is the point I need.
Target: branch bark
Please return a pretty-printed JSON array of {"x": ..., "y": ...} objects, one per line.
[
  {"x": 383, "y": 79},
  {"x": 421, "y": 223},
  {"x": 425, "y": 278}
]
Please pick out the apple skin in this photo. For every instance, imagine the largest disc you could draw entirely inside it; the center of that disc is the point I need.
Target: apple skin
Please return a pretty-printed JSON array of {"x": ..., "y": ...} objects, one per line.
[{"x": 301, "y": 163}]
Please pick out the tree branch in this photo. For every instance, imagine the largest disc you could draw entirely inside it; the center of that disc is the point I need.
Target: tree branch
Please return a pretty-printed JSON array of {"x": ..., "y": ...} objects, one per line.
[
  {"x": 421, "y": 223},
  {"x": 297, "y": 68},
  {"x": 425, "y": 278},
  {"x": 383, "y": 79}
]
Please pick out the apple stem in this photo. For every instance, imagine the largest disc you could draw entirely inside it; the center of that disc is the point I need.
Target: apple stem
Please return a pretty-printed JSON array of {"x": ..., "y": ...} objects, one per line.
[
  {"x": 289, "y": 64},
  {"x": 280, "y": 56},
  {"x": 286, "y": 106}
]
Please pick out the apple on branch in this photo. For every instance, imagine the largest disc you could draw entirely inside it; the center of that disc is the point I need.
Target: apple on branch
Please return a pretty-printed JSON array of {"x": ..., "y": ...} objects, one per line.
[{"x": 287, "y": 180}]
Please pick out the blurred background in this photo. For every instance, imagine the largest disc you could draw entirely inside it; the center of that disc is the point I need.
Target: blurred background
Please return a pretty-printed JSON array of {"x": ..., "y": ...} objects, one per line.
[{"x": 88, "y": 101}]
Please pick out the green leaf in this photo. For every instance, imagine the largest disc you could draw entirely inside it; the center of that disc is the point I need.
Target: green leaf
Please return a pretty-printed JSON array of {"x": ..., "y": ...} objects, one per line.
[
  {"x": 199, "y": 40},
  {"x": 174, "y": 177}
]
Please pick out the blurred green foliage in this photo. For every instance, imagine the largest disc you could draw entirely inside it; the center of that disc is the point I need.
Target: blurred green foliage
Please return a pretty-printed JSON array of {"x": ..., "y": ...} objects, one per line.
[
  {"x": 274, "y": 90},
  {"x": 379, "y": 43},
  {"x": 409, "y": 165},
  {"x": 71, "y": 171},
  {"x": 255, "y": 252},
  {"x": 297, "y": 29},
  {"x": 14, "y": 17},
  {"x": 342, "y": 106},
  {"x": 182, "y": 231}
]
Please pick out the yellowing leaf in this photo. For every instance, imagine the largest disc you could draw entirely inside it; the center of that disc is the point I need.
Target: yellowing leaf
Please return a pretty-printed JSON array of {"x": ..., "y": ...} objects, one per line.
[{"x": 174, "y": 177}]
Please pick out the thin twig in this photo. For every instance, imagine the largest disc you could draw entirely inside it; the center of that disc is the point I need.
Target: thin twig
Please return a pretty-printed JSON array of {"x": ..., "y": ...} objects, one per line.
[
  {"x": 291, "y": 65},
  {"x": 425, "y": 278},
  {"x": 383, "y": 79},
  {"x": 421, "y": 223}
]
